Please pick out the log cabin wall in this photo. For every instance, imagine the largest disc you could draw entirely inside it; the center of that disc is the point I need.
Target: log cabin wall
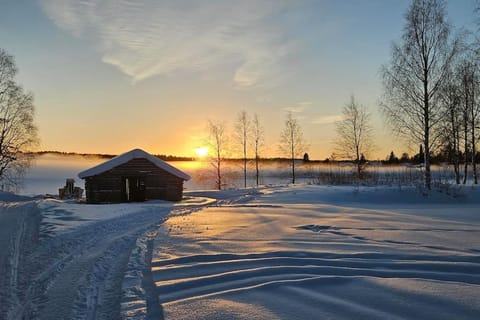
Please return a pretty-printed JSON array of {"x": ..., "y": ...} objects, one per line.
[{"x": 109, "y": 187}]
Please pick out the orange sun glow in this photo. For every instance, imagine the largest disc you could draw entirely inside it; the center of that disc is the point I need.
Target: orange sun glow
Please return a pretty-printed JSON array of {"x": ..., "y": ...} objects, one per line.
[{"x": 201, "y": 152}]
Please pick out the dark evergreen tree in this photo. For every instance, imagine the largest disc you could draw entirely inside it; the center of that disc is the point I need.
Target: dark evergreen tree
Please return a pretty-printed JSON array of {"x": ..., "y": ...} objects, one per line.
[
  {"x": 404, "y": 158},
  {"x": 362, "y": 159},
  {"x": 392, "y": 158},
  {"x": 419, "y": 158}
]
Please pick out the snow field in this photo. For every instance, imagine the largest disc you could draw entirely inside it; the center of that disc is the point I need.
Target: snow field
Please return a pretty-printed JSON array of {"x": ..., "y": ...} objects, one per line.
[
  {"x": 291, "y": 252},
  {"x": 314, "y": 252}
]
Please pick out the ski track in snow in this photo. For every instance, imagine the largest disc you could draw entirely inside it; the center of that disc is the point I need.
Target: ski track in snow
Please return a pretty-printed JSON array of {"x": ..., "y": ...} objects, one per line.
[
  {"x": 85, "y": 271},
  {"x": 78, "y": 274},
  {"x": 18, "y": 235}
]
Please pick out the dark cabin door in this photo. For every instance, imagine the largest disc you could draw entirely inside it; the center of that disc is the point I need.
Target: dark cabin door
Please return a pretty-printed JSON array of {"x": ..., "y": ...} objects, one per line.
[{"x": 133, "y": 189}]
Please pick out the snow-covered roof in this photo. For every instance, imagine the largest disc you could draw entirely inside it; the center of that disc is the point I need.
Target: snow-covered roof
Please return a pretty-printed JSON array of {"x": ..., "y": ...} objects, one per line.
[{"x": 130, "y": 155}]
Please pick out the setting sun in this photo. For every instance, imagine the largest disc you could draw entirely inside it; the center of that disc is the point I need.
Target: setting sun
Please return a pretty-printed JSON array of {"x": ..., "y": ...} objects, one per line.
[{"x": 201, "y": 152}]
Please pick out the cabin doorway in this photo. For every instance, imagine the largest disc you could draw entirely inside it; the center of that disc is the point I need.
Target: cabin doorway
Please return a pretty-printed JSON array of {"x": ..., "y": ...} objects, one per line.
[{"x": 133, "y": 189}]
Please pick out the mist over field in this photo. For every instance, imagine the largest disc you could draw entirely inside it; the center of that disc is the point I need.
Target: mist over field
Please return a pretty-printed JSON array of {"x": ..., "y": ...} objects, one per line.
[{"x": 49, "y": 172}]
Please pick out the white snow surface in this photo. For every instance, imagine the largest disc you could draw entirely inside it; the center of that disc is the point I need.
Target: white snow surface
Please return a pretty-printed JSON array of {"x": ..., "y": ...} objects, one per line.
[
  {"x": 280, "y": 252},
  {"x": 67, "y": 260},
  {"x": 311, "y": 252},
  {"x": 128, "y": 156}
]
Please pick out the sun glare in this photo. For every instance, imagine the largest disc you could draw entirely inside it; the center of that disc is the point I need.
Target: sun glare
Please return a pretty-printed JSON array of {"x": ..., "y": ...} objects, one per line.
[{"x": 201, "y": 152}]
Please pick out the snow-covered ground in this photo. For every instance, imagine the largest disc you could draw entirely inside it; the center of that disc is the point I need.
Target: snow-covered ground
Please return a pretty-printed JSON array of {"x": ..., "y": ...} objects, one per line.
[
  {"x": 285, "y": 252},
  {"x": 312, "y": 252},
  {"x": 65, "y": 260}
]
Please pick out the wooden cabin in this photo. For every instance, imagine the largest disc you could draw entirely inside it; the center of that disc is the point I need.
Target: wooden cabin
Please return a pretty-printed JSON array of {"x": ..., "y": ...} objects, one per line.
[{"x": 132, "y": 177}]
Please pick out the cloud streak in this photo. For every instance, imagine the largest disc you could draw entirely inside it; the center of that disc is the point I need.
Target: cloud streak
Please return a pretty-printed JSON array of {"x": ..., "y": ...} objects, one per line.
[
  {"x": 149, "y": 38},
  {"x": 327, "y": 119},
  {"x": 299, "y": 107}
]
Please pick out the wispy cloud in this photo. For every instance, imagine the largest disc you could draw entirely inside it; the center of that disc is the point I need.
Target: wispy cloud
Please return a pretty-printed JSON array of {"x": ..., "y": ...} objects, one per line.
[
  {"x": 299, "y": 107},
  {"x": 150, "y": 37},
  {"x": 327, "y": 119}
]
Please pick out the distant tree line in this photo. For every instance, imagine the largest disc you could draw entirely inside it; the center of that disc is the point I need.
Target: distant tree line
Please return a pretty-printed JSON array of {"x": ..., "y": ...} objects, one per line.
[
  {"x": 64, "y": 153},
  {"x": 443, "y": 156},
  {"x": 108, "y": 156}
]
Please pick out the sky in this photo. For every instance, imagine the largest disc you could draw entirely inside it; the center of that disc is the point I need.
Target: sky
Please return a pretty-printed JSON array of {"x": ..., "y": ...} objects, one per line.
[{"x": 112, "y": 75}]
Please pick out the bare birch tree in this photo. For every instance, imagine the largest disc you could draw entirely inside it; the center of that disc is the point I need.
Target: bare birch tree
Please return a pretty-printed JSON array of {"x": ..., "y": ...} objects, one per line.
[
  {"x": 470, "y": 83},
  {"x": 452, "y": 129},
  {"x": 412, "y": 80},
  {"x": 292, "y": 142},
  {"x": 242, "y": 132},
  {"x": 257, "y": 140},
  {"x": 354, "y": 134},
  {"x": 18, "y": 133},
  {"x": 218, "y": 142}
]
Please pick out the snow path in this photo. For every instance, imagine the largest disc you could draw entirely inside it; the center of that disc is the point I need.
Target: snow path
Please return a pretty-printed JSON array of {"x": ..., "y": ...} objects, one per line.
[
  {"x": 18, "y": 234},
  {"x": 78, "y": 274},
  {"x": 81, "y": 261},
  {"x": 291, "y": 253}
]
